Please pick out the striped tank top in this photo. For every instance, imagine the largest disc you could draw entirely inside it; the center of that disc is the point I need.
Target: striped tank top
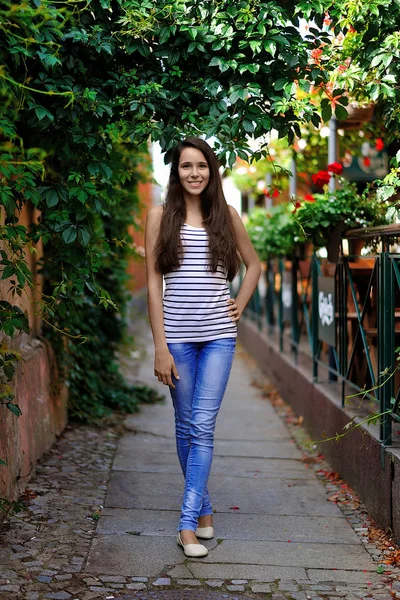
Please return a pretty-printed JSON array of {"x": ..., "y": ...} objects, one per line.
[{"x": 195, "y": 300}]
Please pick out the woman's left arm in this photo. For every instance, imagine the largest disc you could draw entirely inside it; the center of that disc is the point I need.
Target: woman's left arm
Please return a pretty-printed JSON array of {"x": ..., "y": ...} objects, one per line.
[{"x": 252, "y": 264}]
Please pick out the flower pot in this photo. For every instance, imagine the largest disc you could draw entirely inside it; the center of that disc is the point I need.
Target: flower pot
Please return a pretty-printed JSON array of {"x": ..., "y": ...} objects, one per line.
[
  {"x": 334, "y": 242},
  {"x": 357, "y": 115},
  {"x": 303, "y": 250},
  {"x": 355, "y": 247}
]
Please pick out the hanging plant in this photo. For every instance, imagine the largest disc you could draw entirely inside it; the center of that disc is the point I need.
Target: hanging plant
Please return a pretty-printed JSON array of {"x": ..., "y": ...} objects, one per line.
[{"x": 343, "y": 207}]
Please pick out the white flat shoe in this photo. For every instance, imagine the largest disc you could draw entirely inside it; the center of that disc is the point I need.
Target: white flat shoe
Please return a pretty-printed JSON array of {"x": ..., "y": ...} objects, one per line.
[
  {"x": 192, "y": 550},
  {"x": 205, "y": 533}
]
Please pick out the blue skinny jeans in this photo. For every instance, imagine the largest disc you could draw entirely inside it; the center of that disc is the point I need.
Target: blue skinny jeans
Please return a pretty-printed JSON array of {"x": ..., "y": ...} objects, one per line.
[{"x": 204, "y": 369}]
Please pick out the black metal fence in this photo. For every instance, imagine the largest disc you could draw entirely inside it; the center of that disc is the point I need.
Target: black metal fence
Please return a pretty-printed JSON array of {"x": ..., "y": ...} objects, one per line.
[{"x": 342, "y": 321}]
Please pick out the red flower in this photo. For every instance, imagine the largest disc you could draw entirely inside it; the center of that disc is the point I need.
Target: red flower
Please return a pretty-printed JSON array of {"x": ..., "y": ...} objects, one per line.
[
  {"x": 321, "y": 178},
  {"x": 316, "y": 55},
  {"x": 271, "y": 193},
  {"x": 379, "y": 144},
  {"x": 367, "y": 161},
  {"x": 296, "y": 206},
  {"x": 336, "y": 168},
  {"x": 351, "y": 29},
  {"x": 309, "y": 198}
]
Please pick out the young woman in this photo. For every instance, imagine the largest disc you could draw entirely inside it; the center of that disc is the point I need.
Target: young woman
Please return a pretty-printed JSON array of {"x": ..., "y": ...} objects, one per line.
[{"x": 195, "y": 242}]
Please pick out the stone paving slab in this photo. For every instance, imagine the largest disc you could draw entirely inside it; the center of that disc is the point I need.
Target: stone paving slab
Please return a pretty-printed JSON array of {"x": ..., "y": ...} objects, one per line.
[
  {"x": 151, "y": 460},
  {"x": 235, "y": 526},
  {"x": 278, "y": 449},
  {"x": 164, "y": 492},
  {"x": 274, "y": 502},
  {"x": 344, "y": 576},
  {"x": 255, "y": 424},
  {"x": 164, "y": 483},
  {"x": 132, "y": 554},
  {"x": 242, "y": 448},
  {"x": 259, "y": 573},
  {"x": 308, "y": 555}
]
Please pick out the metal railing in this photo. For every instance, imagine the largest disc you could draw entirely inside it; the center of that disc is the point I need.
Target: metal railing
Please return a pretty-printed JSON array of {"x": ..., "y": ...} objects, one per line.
[{"x": 341, "y": 321}]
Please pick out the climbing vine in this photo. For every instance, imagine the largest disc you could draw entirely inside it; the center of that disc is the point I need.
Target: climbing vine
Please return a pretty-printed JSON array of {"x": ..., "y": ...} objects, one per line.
[{"x": 85, "y": 85}]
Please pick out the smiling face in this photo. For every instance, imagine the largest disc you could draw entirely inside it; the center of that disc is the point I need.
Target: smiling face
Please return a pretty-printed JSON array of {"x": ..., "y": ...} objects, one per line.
[{"x": 194, "y": 172}]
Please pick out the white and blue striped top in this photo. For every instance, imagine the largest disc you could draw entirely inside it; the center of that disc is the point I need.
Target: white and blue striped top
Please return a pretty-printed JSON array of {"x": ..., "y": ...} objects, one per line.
[{"x": 195, "y": 300}]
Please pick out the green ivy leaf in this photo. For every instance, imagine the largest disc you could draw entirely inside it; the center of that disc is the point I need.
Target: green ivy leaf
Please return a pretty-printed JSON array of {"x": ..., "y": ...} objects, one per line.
[
  {"x": 270, "y": 47},
  {"x": 83, "y": 237},
  {"x": 231, "y": 159},
  {"x": 69, "y": 234},
  {"x": 52, "y": 198},
  {"x": 341, "y": 112},
  {"x": 9, "y": 271},
  {"x": 14, "y": 408},
  {"x": 326, "y": 112},
  {"x": 42, "y": 112}
]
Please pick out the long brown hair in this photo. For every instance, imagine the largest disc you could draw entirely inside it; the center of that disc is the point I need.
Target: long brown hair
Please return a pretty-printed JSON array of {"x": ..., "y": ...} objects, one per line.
[{"x": 215, "y": 212}]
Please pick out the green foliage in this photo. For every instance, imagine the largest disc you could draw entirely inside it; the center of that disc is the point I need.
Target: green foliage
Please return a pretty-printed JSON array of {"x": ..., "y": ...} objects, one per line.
[
  {"x": 9, "y": 508},
  {"x": 62, "y": 151},
  {"x": 275, "y": 232},
  {"x": 277, "y": 165},
  {"x": 365, "y": 60},
  {"x": 272, "y": 231},
  {"x": 312, "y": 158},
  {"x": 82, "y": 87},
  {"x": 315, "y": 220},
  {"x": 231, "y": 70}
]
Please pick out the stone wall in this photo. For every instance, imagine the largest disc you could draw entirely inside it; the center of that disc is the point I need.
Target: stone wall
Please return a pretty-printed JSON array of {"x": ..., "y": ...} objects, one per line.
[
  {"x": 137, "y": 266},
  {"x": 24, "y": 439}
]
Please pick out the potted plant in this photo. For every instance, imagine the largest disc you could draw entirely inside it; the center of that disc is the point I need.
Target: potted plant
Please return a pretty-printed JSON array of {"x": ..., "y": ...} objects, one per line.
[
  {"x": 272, "y": 231},
  {"x": 324, "y": 219}
]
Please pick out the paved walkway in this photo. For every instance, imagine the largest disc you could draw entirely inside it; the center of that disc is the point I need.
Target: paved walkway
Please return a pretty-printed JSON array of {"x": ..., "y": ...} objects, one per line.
[
  {"x": 101, "y": 514},
  {"x": 272, "y": 518}
]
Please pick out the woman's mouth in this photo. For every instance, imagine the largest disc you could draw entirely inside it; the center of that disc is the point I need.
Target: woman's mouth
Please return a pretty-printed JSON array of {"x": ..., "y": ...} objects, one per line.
[{"x": 194, "y": 183}]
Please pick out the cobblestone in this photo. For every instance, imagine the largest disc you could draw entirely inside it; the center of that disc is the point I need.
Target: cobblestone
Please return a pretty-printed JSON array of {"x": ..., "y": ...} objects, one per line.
[
  {"x": 215, "y": 583},
  {"x": 135, "y": 586},
  {"x": 190, "y": 582},
  {"x": 162, "y": 581},
  {"x": 235, "y": 588},
  {"x": 44, "y": 579},
  {"x": 9, "y": 588}
]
